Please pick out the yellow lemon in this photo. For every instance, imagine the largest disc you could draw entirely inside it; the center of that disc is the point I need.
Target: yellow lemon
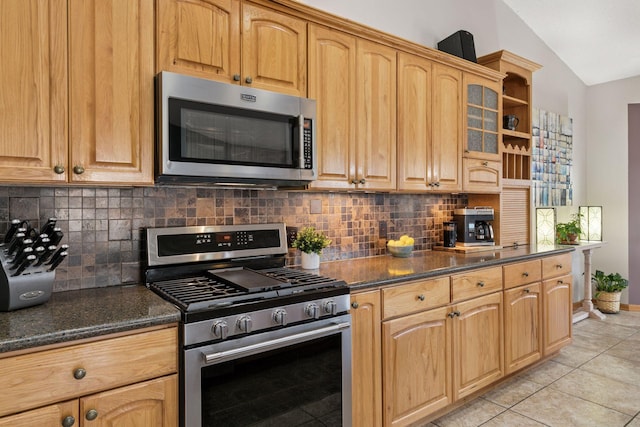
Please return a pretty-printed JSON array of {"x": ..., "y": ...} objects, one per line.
[{"x": 410, "y": 241}]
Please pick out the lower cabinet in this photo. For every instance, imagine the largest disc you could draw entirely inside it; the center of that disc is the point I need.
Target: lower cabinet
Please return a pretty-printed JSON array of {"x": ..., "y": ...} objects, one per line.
[
  {"x": 123, "y": 381},
  {"x": 417, "y": 365},
  {"x": 366, "y": 362},
  {"x": 557, "y": 313},
  {"x": 522, "y": 326}
]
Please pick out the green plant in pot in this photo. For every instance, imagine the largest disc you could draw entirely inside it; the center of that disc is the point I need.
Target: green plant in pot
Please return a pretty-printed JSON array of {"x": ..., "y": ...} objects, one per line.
[
  {"x": 608, "y": 290},
  {"x": 311, "y": 242},
  {"x": 567, "y": 233}
]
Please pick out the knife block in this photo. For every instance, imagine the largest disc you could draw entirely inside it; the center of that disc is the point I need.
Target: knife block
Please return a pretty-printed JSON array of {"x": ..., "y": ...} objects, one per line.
[{"x": 32, "y": 287}]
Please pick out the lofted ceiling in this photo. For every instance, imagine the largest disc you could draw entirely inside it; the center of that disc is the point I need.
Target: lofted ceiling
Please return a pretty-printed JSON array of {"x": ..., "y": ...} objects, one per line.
[{"x": 599, "y": 40}]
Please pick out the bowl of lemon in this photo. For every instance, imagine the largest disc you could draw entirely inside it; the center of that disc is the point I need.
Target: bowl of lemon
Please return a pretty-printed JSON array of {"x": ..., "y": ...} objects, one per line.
[{"x": 402, "y": 247}]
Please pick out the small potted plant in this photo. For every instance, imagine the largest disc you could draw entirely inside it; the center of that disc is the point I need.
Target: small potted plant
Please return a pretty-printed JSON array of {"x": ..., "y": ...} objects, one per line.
[
  {"x": 608, "y": 290},
  {"x": 311, "y": 243},
  {"x": 567, "y": 233}
]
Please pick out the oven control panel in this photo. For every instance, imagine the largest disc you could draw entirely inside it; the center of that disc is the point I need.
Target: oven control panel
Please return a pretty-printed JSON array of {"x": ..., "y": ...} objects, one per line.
[
  {"x": 223, "y": 328},
  {"x": 173, "y": 245}
]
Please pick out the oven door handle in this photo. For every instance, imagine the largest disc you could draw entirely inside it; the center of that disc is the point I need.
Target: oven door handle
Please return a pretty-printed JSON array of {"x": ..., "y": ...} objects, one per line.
[{"x": 249, "y": 350}]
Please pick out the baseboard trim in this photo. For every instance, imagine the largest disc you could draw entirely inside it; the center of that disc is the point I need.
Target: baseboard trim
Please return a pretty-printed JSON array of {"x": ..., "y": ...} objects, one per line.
[{"x": 630, "y": 307}]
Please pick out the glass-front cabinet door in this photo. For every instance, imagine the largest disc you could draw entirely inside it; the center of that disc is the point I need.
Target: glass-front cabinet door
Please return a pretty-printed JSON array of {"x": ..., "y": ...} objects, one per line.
[{"x": 482, "y": 126}]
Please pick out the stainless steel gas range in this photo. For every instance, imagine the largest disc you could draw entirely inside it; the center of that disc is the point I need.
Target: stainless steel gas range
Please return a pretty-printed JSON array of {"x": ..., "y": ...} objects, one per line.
[{"x": 261, "y": 344}]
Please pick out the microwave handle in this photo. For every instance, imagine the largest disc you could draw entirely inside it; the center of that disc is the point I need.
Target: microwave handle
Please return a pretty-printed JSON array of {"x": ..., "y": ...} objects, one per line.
[{"x": 301, "y": 141}]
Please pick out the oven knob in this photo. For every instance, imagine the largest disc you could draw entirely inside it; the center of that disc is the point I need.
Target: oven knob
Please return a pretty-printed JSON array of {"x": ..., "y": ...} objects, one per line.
[
  {"x": 220, "y": 329},
  {"x": 280, "y": 316},
  {"x": 312, "y": 310},
  {"x": 330, "y": 307},
  {"x": 244, "y": 324}
]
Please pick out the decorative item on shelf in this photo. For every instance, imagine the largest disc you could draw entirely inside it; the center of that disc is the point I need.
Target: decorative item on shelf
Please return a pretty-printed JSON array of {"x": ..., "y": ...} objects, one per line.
[
  {"x": 545, "y": 226},
  {"x": 311, "y": 243},
  {"x": 510, "y": 121},
  {"x": 402, "y": 247},
  {"x": 591, "y": 223},
  {"x": 567, "y": 233},
  {"x": 608, "y": 290}
]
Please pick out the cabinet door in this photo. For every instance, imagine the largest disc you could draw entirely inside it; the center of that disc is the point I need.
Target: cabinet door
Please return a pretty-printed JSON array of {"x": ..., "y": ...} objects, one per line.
[
  {"x": 557, "y": 313},
  {"x": 366, "y": 361},
  {"x": 274, "y": 51},
  {"x": 478, "y": 358},
  {"x": 417, "y": 366},
  {"x": 199, "y": 37},
  {"x": 376, "y": 115},
  {"x": 482, "y": 108},
  {"x": 447, "y": 128},
  {"x": 151, "y": 403},
  {"x": 332, "y": 83},
  {"x": 33, "y": 99},
  {"x": 522, "y": 326},
  {"x": 111, "y": 91},
  {"x": 52, "y": 415},
  {"x": 414, "y": 123}
]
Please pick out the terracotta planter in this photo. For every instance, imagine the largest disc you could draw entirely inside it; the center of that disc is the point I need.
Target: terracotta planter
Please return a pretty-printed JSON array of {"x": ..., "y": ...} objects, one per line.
[
  {"x": 310, "y": 261},
  {"x": 608, "y": 302}
]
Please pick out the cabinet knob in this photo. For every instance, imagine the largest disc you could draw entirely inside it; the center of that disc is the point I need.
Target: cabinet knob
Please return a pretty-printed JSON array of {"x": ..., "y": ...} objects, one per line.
[
  {"x": 91, "y": 414},
  {"x": 527, "y": 290},
  {"x": 457, "y": 313},
  {"x": 236, "y": 77},
  {"x": 362, "y": 180},
  {"x": 437, "y": 183},
  {"x": 421, "y": 297},
  {"x": 560, "y": 282},
  {"x": 59, "y": 169},
  {"x": 481, "y": 284},
  {"x": 558, "y": 266},
  {"x": 485, "y": 164},
  {"x": 68, "y": 421},
  {"x": 452, "y": 314},
  {"x": 354, "y": 181},
  {"x": 355, "y": 304},
  {"x": 79, "y": 373},
  {"x": 525, "y": 274},
  {"x": 248, "y": 80},
  {"x": 78, "y": 170}
]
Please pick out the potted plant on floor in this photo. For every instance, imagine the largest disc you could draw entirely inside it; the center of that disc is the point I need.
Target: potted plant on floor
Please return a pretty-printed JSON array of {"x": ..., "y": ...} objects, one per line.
[
  {"x": 311, "y": 243},
  {"x": 608, "y": 290},
  {"x": 567, "y": 233}
]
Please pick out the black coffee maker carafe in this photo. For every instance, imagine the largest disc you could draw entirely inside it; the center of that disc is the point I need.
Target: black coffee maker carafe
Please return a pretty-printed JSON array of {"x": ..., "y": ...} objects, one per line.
[{"x": 473, "y": 226}]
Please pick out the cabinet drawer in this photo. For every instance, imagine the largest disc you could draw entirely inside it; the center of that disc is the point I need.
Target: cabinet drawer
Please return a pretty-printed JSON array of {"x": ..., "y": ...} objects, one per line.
[
  {"x": 522, "y": 273},
  {"x": 415, "y": 296},
  {"x": 44, "y": 377},
  {"x": 556, "y": 265},
  {"x": 475, "y": 283}
]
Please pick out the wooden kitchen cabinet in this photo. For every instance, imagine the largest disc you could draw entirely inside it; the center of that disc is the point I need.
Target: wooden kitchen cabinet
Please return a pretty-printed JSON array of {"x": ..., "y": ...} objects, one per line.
[
  {"x": 360, "y": 152},
  {"x": 522, "y": 326},
  {"x": 234, "y": 42},
  {"x": 482, "y": 120},
  {"x": 557, "y": 313},
  {"x": 366, "y": 359},
  {"x": 478, "y": 340},
  {"x": 332, "y": 83},
  {"x": 427, "y": 95},
  {"x": 417, "y": 355},
  {"x": 127, "y": 379},
  {"x": 80, "y": 89}
]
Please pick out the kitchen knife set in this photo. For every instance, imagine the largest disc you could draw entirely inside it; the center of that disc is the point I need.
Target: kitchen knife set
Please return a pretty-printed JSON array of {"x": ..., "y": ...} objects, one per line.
[{"x": 29, "y": 258}]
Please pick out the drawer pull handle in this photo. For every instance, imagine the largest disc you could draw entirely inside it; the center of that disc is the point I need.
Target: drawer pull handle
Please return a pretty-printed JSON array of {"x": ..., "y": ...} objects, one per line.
[
  {"x": 560, "y": 282},
  {"x": 79, "y": 373},
  {"x": 68, "y": 421},
  {"x": 457, "y": 313},
  {"x": 558, "y": 266},
  {"x": 452, "y": 314},
  {"x": 527, "y": 290},
  {"x": 481, "y": 284},
  {"x": 421, "y": 297},
  {"x": 525, "y": 274},
  {"x": 91, "y": 414},
  {"x": 355, "y": 304}
]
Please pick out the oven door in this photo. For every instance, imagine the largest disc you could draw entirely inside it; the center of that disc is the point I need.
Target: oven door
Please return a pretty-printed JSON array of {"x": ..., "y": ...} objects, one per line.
[{"x": 289, "y": 376}]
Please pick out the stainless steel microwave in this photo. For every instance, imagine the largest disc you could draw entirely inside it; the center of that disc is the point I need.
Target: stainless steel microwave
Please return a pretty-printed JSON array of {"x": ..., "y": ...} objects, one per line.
[{"x": 221, "y": 133}]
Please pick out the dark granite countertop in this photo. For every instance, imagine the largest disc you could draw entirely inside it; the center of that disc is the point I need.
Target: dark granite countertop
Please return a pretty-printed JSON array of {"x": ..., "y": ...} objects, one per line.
[
  {"x": 364, "y": 273},
  {"x": 85, "y": 313}
]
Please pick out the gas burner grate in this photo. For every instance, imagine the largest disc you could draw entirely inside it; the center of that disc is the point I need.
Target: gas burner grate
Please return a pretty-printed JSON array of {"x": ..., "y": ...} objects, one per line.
[
  {"x": 190, "y": 290},
  {"x": 297, "y": 277}
]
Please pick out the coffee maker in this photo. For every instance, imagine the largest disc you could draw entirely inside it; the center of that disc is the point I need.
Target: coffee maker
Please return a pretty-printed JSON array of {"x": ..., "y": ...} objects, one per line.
[{"x": 474, "y": 226}]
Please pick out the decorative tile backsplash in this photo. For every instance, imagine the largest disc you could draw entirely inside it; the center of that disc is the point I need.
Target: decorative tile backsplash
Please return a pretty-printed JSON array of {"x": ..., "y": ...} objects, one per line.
[{"x": 104, "y": 227}]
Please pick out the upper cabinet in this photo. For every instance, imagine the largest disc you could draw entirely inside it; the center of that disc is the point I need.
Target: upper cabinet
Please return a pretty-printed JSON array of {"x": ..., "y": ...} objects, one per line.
[
  {"x": 79, "y": 91},
  {"x": 429, "y": 125},
  {"x": 233, "y": 42},
  {"x": 481, "y": 103},
  {"x": 354, "y": 84}
]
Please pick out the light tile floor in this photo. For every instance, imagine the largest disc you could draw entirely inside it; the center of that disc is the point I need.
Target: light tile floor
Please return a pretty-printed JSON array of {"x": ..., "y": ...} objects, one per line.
[{"x": 593, "y": 382}]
